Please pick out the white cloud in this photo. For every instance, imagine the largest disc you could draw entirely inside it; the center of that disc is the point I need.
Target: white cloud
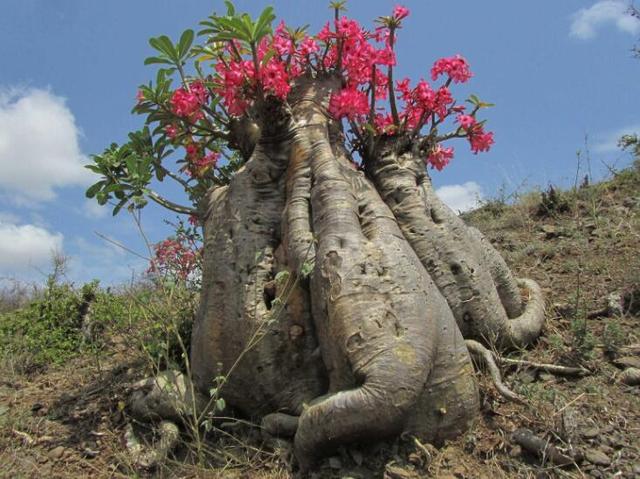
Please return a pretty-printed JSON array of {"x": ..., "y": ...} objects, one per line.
[
  {"x": 608, "y": 142},
  {"x": 586, "y": 21},
  {"x": 93, "y": 210},
  {"x": 461, "y": 198},
  {"x": 6, "y": 217},
  {"x": 26, "y": 248},
  {"x": 39, "y": 148}
]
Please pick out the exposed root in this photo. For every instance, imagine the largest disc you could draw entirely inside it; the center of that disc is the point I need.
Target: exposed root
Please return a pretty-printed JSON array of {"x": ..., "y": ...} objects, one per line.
[
  {"x": 547, "y": 368},
  {"x": 541, "y": 448},
  {"x": 280, "y": 425},
  {"x": 150, "y": 457},
  {"x": 482, "y": 354}
]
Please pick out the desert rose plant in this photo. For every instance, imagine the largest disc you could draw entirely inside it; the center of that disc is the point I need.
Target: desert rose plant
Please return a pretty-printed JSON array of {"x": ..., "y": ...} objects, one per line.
[{"x": 307, "y": 163}]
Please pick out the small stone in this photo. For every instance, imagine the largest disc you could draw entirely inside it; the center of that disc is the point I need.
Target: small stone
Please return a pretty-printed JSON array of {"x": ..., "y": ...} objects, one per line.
[
  {"x": 335, "y": 462},
  {"x": 56, "y": 452},
  {"x": 630, "y": 376},
  {"x": 597, "y": 457},
  {"x": 636, "y": 469},
  {"x": 357, "y": 456},
  {"x": 627, "y": 362},
  {"x": 527, "y": 376},
  {"x": 590, "y": 433},
  {"x": 614, "y": 304},
  {"x": 550, "y": 231},
  {"x": 90, "y": 453},
  {"x": 515, "y": 451},
  {"x": 546, "y": 377}
]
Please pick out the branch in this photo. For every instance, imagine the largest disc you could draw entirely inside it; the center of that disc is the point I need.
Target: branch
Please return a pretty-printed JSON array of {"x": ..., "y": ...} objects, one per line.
[
  {"x": 173, "y": 176},
  {"x": 170, "y": 205},
  {"x": 392, "y": 97}
]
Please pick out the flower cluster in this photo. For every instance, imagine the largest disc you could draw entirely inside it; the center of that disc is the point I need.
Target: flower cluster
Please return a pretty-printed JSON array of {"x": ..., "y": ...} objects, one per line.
[
  {"x": 479, "y": 139},
  {"x": 365, "y": 59},
  {"x": 349, "y": 103},
  {"x": 440, "y": 157},
  {"x": 175, "y": 258},
  {"x": 351, "y": 49},
  {"x": 187, "y": 102},
  {"x": 197, "y": 163},
  {"x": 455, "y": 68}
]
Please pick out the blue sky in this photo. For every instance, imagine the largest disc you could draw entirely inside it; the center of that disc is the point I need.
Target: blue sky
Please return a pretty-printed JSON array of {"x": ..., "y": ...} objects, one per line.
[{"x": 558, "y": 72}]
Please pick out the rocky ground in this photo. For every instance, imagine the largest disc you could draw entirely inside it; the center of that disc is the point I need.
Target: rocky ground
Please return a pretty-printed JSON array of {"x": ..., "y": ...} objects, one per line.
[{"x": 582, "y": 246}]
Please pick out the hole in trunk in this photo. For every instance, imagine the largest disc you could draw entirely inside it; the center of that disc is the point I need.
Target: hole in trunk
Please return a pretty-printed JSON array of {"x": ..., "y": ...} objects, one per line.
[{"x": 269, "y": 294}]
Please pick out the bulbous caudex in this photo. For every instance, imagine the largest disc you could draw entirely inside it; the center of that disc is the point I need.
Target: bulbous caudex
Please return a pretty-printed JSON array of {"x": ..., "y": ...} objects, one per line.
[{"x": 371, "y": 344}]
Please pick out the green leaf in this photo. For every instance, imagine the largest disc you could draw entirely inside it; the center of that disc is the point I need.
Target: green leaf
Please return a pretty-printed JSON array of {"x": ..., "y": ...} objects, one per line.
[
  {"x": 281, "y": 277},
  {"x": 268, "y": 56},
  {"x": 306, "y": 269},
  {"x": 119, "y": 206},
  {"x": 263, "y": 26},
  {"x": 246, "y": 27},
  {"x": 185, "y": 43},
  {"x": 93, "y": 189},
  {"x": 231, "y": 10},
  {"x": 474, "y": 99},
  {"x": 220, "y": 404},
  {"x": 157, "y": 60}
]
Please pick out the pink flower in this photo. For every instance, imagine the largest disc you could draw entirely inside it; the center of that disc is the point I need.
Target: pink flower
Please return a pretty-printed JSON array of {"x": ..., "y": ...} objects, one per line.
[
  {"x": 201, "y": 165},
  {"x": 479, "y": 139},
  {"x": 404, "y": 89},
  {"x": 443, "y": 100},
  {"x": 192, "y": 150},
  {"x": 187, "y": 103},
  {"x": 386, "y": 56},
  {"x": 325, "y": 35},
  {"x": 384, "y": 124},
  {"x": 455, "y": 67},
  {"x": 282, "y": 40},
  {"x": 307, "y": 46},
  {"x": 400, "y": 12},
  {"x": 275, "y": 79},
  {"x": 140, "y": 96},
  {"x": 466, "y": 121},
  {"x": 440, "y": 157},
  {"x": 348, "y": 102},
  {"x": 171, "y": 131}
]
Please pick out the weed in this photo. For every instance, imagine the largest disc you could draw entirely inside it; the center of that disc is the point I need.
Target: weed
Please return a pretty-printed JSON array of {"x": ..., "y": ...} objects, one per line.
[{"x": 613, "y": 338}]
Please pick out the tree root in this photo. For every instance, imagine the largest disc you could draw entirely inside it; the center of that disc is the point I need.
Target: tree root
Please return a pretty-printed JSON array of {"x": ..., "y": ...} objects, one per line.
[
  {"x": 483, "y": 355},
  {"x": 547, "y": 368},
  {"x": 151, "y": 456},
  {"x": 541, "y": 448},
  {"x": 490, "y": 359}
]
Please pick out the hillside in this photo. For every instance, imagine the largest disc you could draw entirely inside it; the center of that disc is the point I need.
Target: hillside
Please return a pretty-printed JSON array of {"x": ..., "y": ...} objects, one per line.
[{"x": 583, "y": 247}]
